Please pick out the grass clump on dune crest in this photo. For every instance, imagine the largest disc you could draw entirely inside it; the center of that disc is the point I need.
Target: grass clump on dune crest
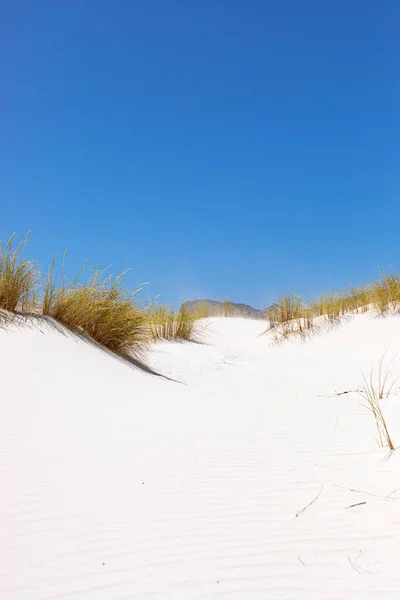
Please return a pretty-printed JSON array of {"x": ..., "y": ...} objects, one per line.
[
  {"x": 331, "y": 306},
  {"x": 288, "y": 308},
  {"x": 290, "y": 316},
  {"x": 18, "y": 277},
  {"x": 100, "y": 308},
  {"x": 168, "y": 324},
  {"x": 386, "y": 293},
  {"x": 357, "y": 299}
]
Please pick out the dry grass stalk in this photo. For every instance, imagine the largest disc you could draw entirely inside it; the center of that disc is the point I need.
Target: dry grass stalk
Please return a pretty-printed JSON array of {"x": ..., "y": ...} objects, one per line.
[{"x": 374, "y": 389}]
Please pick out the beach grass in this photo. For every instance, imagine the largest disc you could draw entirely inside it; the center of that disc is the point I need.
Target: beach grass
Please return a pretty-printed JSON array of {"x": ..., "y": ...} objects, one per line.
[
  {"x": 377, "y": 386},
  {"x": 18, "y": 277},
  {"x": 100, "y": 308},
  {"x": 165, "y": 323}
]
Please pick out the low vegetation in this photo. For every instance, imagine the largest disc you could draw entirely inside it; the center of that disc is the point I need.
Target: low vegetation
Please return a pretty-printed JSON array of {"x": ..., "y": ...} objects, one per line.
[
  {"x": 292, "y": 316},
  {"x": 102, "y": 309},
  {"x": 377, "y": 386},
  {"x": 94, "y": 304},
  {"x": 18, "y": 277},
  {"x": 385, "y": 293},
  {"x": 288, "y": 308},
  {"x": 288, "y": 316},
  {"x": 168, "y": 324}
]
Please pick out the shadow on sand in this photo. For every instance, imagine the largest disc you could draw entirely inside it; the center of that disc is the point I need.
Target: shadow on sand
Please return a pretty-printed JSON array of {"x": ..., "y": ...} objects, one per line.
[{"x": 34, "y": 320}]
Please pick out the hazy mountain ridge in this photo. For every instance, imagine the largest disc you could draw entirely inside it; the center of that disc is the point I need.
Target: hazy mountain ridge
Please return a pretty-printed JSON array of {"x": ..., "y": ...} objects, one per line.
[{"x": 218, "y": 308}]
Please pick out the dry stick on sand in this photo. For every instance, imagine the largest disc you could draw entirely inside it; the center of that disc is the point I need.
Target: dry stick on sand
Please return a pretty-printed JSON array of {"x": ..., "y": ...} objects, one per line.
[
  {"x": 357, "y": 491},
  {"x": 336, "y": 394},
  {"x": 353, "y": 565},
  {"x": 300, "y": 512},
  {"x": 354, "y": 505}
]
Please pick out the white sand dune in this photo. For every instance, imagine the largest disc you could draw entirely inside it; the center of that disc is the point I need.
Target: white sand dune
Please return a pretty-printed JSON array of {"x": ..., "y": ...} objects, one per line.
[{"x": 117, "y": 485}]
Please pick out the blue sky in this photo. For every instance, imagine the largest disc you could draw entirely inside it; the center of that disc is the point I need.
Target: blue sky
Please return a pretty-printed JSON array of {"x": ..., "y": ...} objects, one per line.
[{"x": 223, "y": 149}]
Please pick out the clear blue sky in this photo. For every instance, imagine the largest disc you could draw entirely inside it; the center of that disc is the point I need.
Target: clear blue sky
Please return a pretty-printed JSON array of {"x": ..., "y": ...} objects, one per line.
[{"x": 222, "y": 148}]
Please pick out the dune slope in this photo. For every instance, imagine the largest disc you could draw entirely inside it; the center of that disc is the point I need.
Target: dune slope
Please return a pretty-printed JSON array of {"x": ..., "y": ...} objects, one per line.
[{"x": 246, "y": 473}]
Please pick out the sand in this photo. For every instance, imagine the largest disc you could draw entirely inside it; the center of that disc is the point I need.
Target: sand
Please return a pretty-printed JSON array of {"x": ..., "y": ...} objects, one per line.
[{"x": 244, "y": 473}]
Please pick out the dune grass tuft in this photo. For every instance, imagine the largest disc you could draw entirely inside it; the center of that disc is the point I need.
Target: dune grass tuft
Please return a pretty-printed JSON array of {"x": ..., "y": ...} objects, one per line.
[
  {"x": 331, "y": 306},
  {"x": 288, "y": 308},
  {"x": 168, "y": 324},
  {"x": 18, "y": 277},
  {"x": 376, "y": 387},
  {"x": 386, "y": 293},
  {"x": 100, "y": 308},
  {"x": 290, "y": 316},
  {"x": 358, "y": 299}
]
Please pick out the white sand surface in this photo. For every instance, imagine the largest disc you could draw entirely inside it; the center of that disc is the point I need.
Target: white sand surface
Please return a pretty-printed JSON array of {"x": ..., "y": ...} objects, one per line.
[{"x": 117, "y": 484}]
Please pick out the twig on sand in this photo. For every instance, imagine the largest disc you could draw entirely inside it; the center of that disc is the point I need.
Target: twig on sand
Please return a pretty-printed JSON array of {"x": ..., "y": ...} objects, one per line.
[
  {"x": 353, "y": 566},
  {"x": 336, "y": 394},
  {"x": 357, "y": 491},
  {"x": 389, "y": 455},
  {"x": 353, "y": 505},
  {"x": 309, "y": 504},
  {"x": 360, "y": 569}
]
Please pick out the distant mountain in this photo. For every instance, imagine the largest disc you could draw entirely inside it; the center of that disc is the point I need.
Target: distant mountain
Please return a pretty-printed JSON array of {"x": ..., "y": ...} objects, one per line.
[{"x": 216, "y": 308}]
